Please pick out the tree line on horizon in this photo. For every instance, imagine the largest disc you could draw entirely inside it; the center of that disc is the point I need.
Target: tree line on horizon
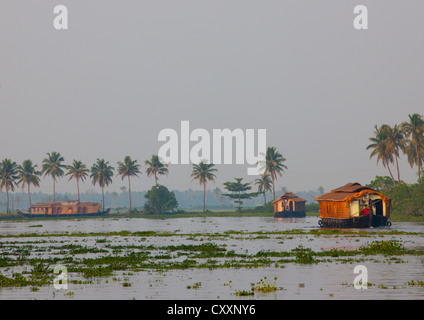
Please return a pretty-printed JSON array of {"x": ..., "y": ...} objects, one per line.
[
  {"x": 389, "y": 142},
  {"x": 101, "y": 173}
]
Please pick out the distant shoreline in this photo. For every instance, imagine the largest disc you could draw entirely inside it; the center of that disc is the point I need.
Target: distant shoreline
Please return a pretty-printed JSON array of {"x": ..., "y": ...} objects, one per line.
[{"x": 190, "y": 214}]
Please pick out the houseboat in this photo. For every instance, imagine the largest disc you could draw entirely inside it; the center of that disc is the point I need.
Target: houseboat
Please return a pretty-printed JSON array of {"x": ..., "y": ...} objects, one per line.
[
  {"x": 64, "y": 209},
  {"x": 354, "y": 206},
  {"x": 289, "y": 205}
]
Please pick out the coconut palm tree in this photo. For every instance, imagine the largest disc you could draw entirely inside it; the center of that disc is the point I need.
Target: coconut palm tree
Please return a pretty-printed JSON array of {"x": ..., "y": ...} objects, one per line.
[
  {"x": 273, "y": 165},
  {"x": 204, "y": 173},
  {"x": 78, "y": 171},
  {"x": 8, "y": 177},
  {"x": 395, "y": 142},
  {"x": 52, "y": 166},
  {"x": 264, "y": 184},
  {"x": 128, "y": 168},
  {"x": 102, "y": 173},
  {"x": 414, "y": 130},
  {"x": 155, "y": 167},
  {"x": 380, "y": 148},
  {"x": 28, "y": 175}
]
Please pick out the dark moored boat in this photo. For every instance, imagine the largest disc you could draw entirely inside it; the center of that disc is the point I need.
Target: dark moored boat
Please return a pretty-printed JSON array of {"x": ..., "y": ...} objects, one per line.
[
  {"x": 354, "y": 206},
  {"x": 64, "y": 209}
]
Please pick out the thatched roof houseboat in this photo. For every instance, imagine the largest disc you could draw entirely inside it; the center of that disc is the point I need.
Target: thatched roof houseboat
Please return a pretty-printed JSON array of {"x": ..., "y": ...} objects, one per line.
[
  {"x": 289, "y": 205},
  {"x": 354, "y": 206}
]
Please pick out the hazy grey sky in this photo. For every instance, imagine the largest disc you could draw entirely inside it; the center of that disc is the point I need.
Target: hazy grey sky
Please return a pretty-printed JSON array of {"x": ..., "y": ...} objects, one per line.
[{"x": 124, "y": 70}]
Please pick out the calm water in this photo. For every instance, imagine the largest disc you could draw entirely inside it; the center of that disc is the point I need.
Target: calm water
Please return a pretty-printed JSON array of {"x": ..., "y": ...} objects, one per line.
[{"x": 325, "y": 280}]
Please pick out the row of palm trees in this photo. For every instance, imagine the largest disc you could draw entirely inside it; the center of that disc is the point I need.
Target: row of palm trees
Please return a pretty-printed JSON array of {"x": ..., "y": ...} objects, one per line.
[
  {"x": 26, "y": 175},
  {"x": 408, "y": 138}
]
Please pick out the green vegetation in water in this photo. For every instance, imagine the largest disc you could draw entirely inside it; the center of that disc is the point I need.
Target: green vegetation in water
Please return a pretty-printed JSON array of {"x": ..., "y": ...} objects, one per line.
[
  {"x": 104, "y": 257},
  {"x": 263, "y": 286},
  {"x": 416, "y": 283},
  {"x": 196, "y": 285},
  {"x": 241, "y": 293}
]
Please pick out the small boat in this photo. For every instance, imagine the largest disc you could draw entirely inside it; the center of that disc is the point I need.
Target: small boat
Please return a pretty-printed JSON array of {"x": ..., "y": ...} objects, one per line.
[
  {"x": 354, "y": 206},
  {"x": 289, "y": 205},
  {"x": 71, "y": 208}
]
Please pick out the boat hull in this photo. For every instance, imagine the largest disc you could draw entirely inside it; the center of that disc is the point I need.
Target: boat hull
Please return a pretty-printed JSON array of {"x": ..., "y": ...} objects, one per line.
[
  {"x": 62, "y": 215},
  {"x": 290, "y": 214},
  {"x": 354, "y": 222},
  {"x": 380, "y": 221},
  {"x": 365, "y": 221}
]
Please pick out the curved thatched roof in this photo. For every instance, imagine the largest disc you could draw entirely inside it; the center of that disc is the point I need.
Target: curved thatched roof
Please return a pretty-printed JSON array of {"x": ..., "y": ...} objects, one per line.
[
  {"x": 290, "y": 196},
  {"x": 348, "y": 192}
]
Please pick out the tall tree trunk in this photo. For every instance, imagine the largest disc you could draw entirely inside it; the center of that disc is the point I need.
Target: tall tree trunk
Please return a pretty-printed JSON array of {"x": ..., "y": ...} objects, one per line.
[
  {"x": 54, "y": 190},
  {"x": 129, "y": 191},
  {"x": 273, "y": 189},
  {"x": 156, "y": 179},
  {"x": 264, "y": 198},
  {"x": 7, "y": 198},
  {"x": 397, "y": 167},
  {"x": 29, "y": 196},
  {"x": 204, "y": 195},
  {"x": 390, "y": 172},
  {"x": 103, "y": 198},
  {"x": 78, "y": 190}
]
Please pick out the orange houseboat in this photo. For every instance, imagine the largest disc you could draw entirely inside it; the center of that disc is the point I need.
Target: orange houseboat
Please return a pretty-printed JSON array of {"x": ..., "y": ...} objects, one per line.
[
  {"x": 289, "y": 205},
  {"x": 71, "y": 208},
  {"x": 354, "y": 206}
]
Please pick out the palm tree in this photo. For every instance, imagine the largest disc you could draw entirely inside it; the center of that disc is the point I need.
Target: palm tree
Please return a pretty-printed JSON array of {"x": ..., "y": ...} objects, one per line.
[
  {"x": 395, "y": 142},
  {"x": 204, "y": 173},
  {"x": 155, "y": 167},
  {"x": 102, "y": 173},
  {"x": 78, "y": 171},
  {"x": 8, "y": 177},
  {"x": 380, "y": 148},
  {"x": 273, "y": 165},
  {"x": 264, "y": 184},
  {"x": 52, "y": 166},
  {"x": 28, "y": 175},
  {"x": 128, "y": 168},
  {"x": 414, "y": 130}
]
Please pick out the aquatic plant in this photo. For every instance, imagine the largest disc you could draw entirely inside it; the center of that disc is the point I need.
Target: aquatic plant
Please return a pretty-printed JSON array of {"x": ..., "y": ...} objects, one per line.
[
  {"x": 387, "y": 247},
  {"x": 304, "y": 255},
  {"x": 416, "y": 283},
  {"x": 244, "y": 293},
  {"x": 197, "y": 285},
  {"x": 263, "y": 286}
]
